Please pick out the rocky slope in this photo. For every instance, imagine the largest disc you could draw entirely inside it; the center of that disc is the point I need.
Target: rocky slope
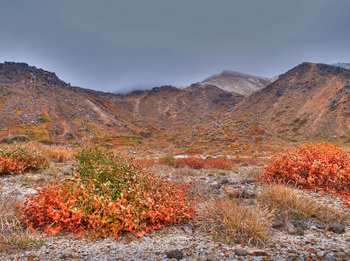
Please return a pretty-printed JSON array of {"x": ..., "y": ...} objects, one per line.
[
  {"x": 38, "y": 104},
  {"x": 311, "y": 101}
]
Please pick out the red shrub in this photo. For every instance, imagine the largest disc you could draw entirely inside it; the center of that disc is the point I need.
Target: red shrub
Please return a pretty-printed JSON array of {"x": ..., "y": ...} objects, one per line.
[
  {"x": 313, "y": 166},
  {"x": 11, "y": 166}
]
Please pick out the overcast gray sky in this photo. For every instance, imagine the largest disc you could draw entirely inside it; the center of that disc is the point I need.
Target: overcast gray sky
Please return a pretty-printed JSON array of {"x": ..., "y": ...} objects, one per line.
[{"x": 123, "y": 45}]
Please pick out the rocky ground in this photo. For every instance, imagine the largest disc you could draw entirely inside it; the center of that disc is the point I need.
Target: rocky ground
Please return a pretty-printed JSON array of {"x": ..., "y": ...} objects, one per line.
[{"x": 295, "y": 240}]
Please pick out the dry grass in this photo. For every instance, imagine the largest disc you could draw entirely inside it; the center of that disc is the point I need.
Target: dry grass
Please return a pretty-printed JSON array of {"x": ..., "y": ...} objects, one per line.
[
  {"x": 57, "y": 153},
  {"x": 13, "y": 236},
  {"x": 291, "y": 203},
  {"x": 234, "y": 219},
  {"x": 249, "y": 174}
]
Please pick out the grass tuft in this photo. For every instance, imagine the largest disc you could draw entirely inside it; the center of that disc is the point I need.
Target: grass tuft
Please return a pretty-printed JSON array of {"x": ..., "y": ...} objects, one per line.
[
  {"x": 291, "y": 203},
  {"x": 13, "y": 236},
  {"x": 234, "y": 219}
]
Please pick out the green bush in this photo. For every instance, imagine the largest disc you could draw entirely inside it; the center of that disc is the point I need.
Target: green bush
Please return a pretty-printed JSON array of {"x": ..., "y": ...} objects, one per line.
[
  {"x": 45, "y": 119},
  {"x": 17, "y": 138}
]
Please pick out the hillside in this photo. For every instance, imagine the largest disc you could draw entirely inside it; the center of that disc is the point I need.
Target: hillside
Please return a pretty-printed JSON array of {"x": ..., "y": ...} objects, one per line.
[
  {"x": 236, "y": 82},
  {"x": 309, "y": 102},
  {"x": 36, "y": 103}
]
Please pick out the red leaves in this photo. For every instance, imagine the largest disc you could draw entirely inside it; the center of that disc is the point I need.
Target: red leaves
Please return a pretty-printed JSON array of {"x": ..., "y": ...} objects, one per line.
[
  {"x": 313, "y": 166},
  {"x": 11, "y": 166},
  {"x": 144, "y": 204}
]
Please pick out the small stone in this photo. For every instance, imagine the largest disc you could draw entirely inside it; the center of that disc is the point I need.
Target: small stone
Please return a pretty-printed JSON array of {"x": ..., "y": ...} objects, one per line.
[
  {"x": 216, "y": 186},
  {"x": 278, "y": 224},
  {"x": 320, "y": 225},
  {"x": 320, "y": 253},
  {"x": 328, "y": 258},
  {"x": 227, "y": 189},
  {"x": 240, "y": 252},
  {"x": 63, "y": 256},
  {"x": 16, "y": 192},
  {"x": 336, "y": 228},
  {"x": 42, "y": 180},
  {"x": 297, "y": 231},
  {"x": 246, "y": 194},
  {"x": 177, "y": 254},
  {"x": 300, "y": 224},
  {"x": 188, "y": 229},
  {"x": 258, "y": 253},
  {"x": 224, "y": 182},
  {"x": 340, "y": 254},
  {"x": 234, "y": 193}
]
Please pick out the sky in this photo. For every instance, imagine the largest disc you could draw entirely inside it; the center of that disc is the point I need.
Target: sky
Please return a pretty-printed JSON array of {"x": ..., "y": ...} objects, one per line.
[{"x": 124, "y": 45}]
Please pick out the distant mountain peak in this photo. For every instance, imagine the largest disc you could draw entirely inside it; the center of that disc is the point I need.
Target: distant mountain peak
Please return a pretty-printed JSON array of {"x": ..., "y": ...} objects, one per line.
[
  {"x": 237, "y": 82},
  {"x": 342, "y": 65}
]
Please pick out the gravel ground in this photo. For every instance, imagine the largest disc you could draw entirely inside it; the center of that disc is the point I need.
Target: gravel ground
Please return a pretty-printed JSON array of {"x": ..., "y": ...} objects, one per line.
[{"x": 186, "y": 242}]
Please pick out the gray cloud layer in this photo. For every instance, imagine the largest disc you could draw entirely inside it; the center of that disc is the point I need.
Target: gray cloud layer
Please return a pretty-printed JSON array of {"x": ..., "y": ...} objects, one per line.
[{"x": 116, "y": 45}]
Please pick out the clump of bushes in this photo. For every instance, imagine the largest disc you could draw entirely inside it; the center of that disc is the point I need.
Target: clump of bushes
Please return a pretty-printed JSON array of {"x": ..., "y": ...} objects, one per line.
[
  {"x": 198, "y": 163},
  {"x": 15, "y": 159},
  {"x": 313, "y": 166},
  {"x": 107, "y": 196}
]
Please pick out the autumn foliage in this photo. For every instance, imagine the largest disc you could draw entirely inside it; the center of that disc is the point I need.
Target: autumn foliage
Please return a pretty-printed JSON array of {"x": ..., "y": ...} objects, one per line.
[
  {"x": 15, "y": 159},
  {"x": 108, "y": 195},
  {"x": 313, "y": 166},
  {"x": 198, "y": 163}
]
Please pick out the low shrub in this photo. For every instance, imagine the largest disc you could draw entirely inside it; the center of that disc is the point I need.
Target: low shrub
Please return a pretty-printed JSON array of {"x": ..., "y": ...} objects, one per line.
[
  {"x": 15, "y": 159},
  {"x": 108, "y": 195},
  {"x": 313, "y": 166}
]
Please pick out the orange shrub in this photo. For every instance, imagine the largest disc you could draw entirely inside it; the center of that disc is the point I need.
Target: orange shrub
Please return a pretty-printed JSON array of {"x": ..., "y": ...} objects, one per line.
[
  {"x": 15, "y": 159},
  {"x": 313, "y": 166},
  {"x": 108, "y": 195},
  {"x": 11, "y": 166}
]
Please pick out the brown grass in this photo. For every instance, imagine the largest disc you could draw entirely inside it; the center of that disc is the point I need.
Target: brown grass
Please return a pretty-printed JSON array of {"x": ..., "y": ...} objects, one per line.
[
  {"x": 231, "y": 218},
  {"x": 291, "y": 203},
  {"x": 57, "y": 153},
  {"x": 13, "y": 236}
]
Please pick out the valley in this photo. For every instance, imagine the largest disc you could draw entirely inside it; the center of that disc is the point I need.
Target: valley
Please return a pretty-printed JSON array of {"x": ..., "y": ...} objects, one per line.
[{"x": 235, "y": 167}]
